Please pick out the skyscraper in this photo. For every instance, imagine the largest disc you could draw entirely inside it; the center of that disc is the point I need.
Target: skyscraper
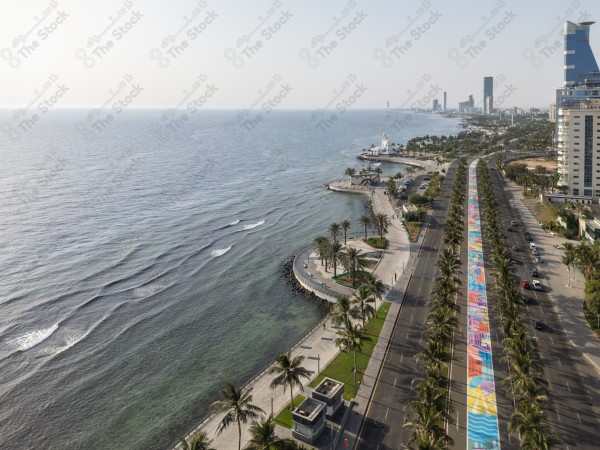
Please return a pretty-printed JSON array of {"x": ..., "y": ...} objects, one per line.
[
  {"x": 578, "y": 115},
  {"x": 580, "y": 62},
  {"x": 488, "y": 93}
]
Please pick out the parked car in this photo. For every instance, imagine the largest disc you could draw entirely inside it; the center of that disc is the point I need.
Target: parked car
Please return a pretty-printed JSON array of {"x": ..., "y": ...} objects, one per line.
[
  {"x": 527, "y": 233},
  {"x": 538, "y": 324},
  {"x": 528, "y": 237},
  {"x": 535, "y": 252},
  {"x": 535, "y": 272},
  {"x": 525, "y": 284},
  {"x": 532, "y": 246},
  {"x": 515, "y": 248},
  {"x": 537, "y": 285},
  {"x": 538, "y": 259},
  {"x": 513, "y": 223},
  {"x": 527, "y": 300}
]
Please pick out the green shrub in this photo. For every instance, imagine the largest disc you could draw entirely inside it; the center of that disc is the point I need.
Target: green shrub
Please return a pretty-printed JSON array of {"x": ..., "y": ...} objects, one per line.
[{"x": 377, "y": 242}]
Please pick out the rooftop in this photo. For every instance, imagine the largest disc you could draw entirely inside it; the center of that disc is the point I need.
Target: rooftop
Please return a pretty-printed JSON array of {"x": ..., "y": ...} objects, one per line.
[
  {"x": 328, "y": 387},
  {"x": 309, "y": 408}
]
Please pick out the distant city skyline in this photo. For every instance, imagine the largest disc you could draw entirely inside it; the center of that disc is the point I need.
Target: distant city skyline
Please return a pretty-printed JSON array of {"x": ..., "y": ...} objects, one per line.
[{"x": 280, "y": 55}]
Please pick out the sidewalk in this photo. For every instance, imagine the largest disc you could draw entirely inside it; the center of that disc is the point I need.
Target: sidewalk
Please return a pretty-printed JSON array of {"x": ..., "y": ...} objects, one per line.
[{"x": 567, "y": 300}]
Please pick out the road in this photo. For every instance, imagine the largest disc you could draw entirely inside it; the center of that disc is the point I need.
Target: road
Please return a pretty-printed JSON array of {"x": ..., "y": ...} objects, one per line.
[
  {"x": 574, "y": 386},
  {"x": 382, "y": 426}
]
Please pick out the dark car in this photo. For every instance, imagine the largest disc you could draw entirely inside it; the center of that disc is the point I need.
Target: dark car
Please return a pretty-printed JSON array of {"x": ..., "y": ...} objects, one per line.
[
  {"x": 510, "y": 229},
  {"x": 527, "y": 300},
  {"x": 528, "y": 237},
  {"x": 535, "y": 272},
  {"x": 538, "y": 325}
]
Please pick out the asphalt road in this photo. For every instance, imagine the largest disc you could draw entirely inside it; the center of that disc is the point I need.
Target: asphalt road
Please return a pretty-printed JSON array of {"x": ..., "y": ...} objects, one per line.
[
  {"x": 382, "y": 427},
  {"x": 574, "y": 386}
]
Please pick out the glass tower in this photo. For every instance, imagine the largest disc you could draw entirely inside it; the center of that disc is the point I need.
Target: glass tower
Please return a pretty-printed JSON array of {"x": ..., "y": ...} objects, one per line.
[
  {"x": 488, "y": 92},
  {"x": 580, "y": 62}
]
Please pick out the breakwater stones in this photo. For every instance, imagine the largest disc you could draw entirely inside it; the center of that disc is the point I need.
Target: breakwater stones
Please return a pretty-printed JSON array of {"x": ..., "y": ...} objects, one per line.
[{"x": 287, "y": 273}]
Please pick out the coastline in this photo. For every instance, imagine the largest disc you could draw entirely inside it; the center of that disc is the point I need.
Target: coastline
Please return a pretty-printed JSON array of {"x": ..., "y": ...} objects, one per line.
[{"x": 395, "y": 270}]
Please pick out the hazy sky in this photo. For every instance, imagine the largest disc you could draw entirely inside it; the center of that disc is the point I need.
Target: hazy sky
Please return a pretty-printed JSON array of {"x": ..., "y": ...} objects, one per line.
[{"x": 285, "y": 54}]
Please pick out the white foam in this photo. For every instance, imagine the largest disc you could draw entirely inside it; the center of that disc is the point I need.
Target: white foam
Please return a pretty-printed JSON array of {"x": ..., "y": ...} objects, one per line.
[
  {"x": 148, "y": 290},
  {"x": 235, "y": 222},
  {"x": 220, "y": 251},
  {"x": 70, "y": 339},
  {"x": 254, "y": 225},
  {"x": 33, "y": 338}
]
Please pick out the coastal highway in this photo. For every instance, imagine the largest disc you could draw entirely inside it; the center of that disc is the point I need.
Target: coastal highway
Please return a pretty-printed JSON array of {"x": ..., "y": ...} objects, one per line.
[
  {"x": 382, "y": 426},
  {"x": 574, "y": 387}
]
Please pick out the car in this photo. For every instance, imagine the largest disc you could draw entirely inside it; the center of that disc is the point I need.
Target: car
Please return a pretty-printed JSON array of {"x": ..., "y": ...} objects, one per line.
[
  {"x": 527, "y": 300},
  {"x": 510, "y": 229},
  {"x": 532, "y": 246},
  {"x": 527, "y": 233},
  {"x": 535, "y": 272},
  {"x": 538, "y": 324},
  {"x": 528, "y": 238},
  {"x": 535, "y": 252},
  {"x": 538, "y": 259},
  {"x": 515, "y": 248},
  {"x": 513, "y": 223},
  {"x": 537, "y": 286},
  {"x": 525, "y": 284}
]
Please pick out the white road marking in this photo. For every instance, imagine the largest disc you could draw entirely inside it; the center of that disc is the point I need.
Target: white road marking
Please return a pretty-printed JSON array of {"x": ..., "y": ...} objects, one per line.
[
  {"x": 396, "y": 379},
  {"x": 579, "y": 419},
  {"x": 386, "y": 413}
]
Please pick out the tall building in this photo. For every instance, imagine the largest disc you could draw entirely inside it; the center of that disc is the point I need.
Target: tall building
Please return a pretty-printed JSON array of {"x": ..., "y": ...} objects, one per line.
[
  {"x": 578, "y": 115},
  {"x": 436, "y": 104},
  {"x": 467, "y": 106},
  {"x": 579, "y": 58},
  {"x": 445, "y": 98},
  {"x": 488, "y": 95}
]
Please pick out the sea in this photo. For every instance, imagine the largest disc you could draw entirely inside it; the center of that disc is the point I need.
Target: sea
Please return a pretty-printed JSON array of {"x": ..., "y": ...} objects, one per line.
[{"x": 141, "y": 259}]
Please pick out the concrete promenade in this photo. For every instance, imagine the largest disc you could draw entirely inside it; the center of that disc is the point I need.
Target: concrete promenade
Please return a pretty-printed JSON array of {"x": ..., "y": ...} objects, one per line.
[
  {"x": 318, "y": 346},
  {"x": 566, "y": 297}
]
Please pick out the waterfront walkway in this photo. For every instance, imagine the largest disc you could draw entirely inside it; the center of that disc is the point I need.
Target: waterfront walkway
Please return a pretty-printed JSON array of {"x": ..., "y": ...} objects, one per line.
[{"x": 318, "y": 346}]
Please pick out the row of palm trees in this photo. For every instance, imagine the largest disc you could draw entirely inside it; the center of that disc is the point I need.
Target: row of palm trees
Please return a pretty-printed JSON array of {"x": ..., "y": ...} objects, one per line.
[
  {"x": 427, "y": 414},
  {"x": 527, "y": 386},
  {"x": 332, "y": 253}
]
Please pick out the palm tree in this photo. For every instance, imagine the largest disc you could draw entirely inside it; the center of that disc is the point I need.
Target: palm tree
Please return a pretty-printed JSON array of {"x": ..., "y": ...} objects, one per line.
[
  {"x": 345, "y": 224},
  {"x": 290, "y": 371},
  {"x": 353, "y": 337},
  {"x": 365, "y": 221},
  {"x": 352, "y": 261},
  {"x": 341, "y": 311},
  {"x": 374, "y": 286},
  {"x": 199, "y": 441},
  {"x": 264, "y": 438},
  {"x": 350, "y": 172},
  {"x": 320, "y": 242},
  {"x": 238, "y": 408},
  {"x": 362, "y": 304},
  {"x": 382, "y": 221},
  {"x": 335, "y": 250},
  {"x": 334, "y": 230},
  {"x": 569, "y": 257}
]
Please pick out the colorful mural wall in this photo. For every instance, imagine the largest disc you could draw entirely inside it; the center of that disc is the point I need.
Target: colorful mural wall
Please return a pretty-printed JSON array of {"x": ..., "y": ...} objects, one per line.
[{"x": 482, "y": 416}]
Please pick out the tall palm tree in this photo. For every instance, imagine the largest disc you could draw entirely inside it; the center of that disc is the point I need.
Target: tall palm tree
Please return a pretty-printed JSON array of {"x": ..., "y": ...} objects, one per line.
[
  {"x": 365, "y": 221},
  {"x": 569, "y": 257},
  {"x": 264, "y": 438},
  {"x": 320, "y": 242},
  {"x": 375, "y": 287},
  {"x": 335, "y": 250},
  {"x": 352, "y": 260},
  {"x": 350, "y": 172},
  {"x": 238, "y": 408},
  {"x": 199, "y": 441},
  {"x": 341, "y": 311},
  {"x": 289, "y": 372},
  {"x": 346, "y": 225},
  {"x": 353, "y": 337},
  {"x": 334, "y": 230},
  {"x": 361, "y": 302},
  {"x": 382, "y": 221}
]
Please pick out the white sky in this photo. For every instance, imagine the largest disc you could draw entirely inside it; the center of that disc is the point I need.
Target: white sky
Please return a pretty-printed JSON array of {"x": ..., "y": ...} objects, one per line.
[{"x": 512, "y": 51}]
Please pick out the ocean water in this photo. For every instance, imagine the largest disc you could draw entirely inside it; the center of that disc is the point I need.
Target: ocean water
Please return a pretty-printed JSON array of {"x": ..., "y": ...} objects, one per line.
[{"x": 141, "y": 262}]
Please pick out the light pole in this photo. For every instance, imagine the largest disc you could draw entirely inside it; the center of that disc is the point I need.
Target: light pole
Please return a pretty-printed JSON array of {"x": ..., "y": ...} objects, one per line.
[
  {"x": 272, "y": 406},
  {"x": 318, "y": 363}
]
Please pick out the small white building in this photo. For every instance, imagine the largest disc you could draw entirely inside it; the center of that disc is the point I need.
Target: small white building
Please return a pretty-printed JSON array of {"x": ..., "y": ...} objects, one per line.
[{"x": 384, "y": 149}]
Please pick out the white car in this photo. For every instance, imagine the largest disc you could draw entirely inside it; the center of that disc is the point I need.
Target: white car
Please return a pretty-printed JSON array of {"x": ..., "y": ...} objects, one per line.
[{"x": 537, "y": 285}]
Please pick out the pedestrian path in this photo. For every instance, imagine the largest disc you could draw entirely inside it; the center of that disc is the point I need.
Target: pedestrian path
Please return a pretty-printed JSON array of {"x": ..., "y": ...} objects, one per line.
[{"x": 482, "y": 414}]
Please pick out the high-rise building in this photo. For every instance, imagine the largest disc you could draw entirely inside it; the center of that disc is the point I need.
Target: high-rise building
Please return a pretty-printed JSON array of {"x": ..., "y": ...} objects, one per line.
[
  {"x": 580, "y": 62},
  {"x": 488, "y": 94},
  {"x": 445, "y": 98},
  {"x": 467, "y": 106},
  {"x": 578, "y": 115},
  {"x": 436, "y": 104}
]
